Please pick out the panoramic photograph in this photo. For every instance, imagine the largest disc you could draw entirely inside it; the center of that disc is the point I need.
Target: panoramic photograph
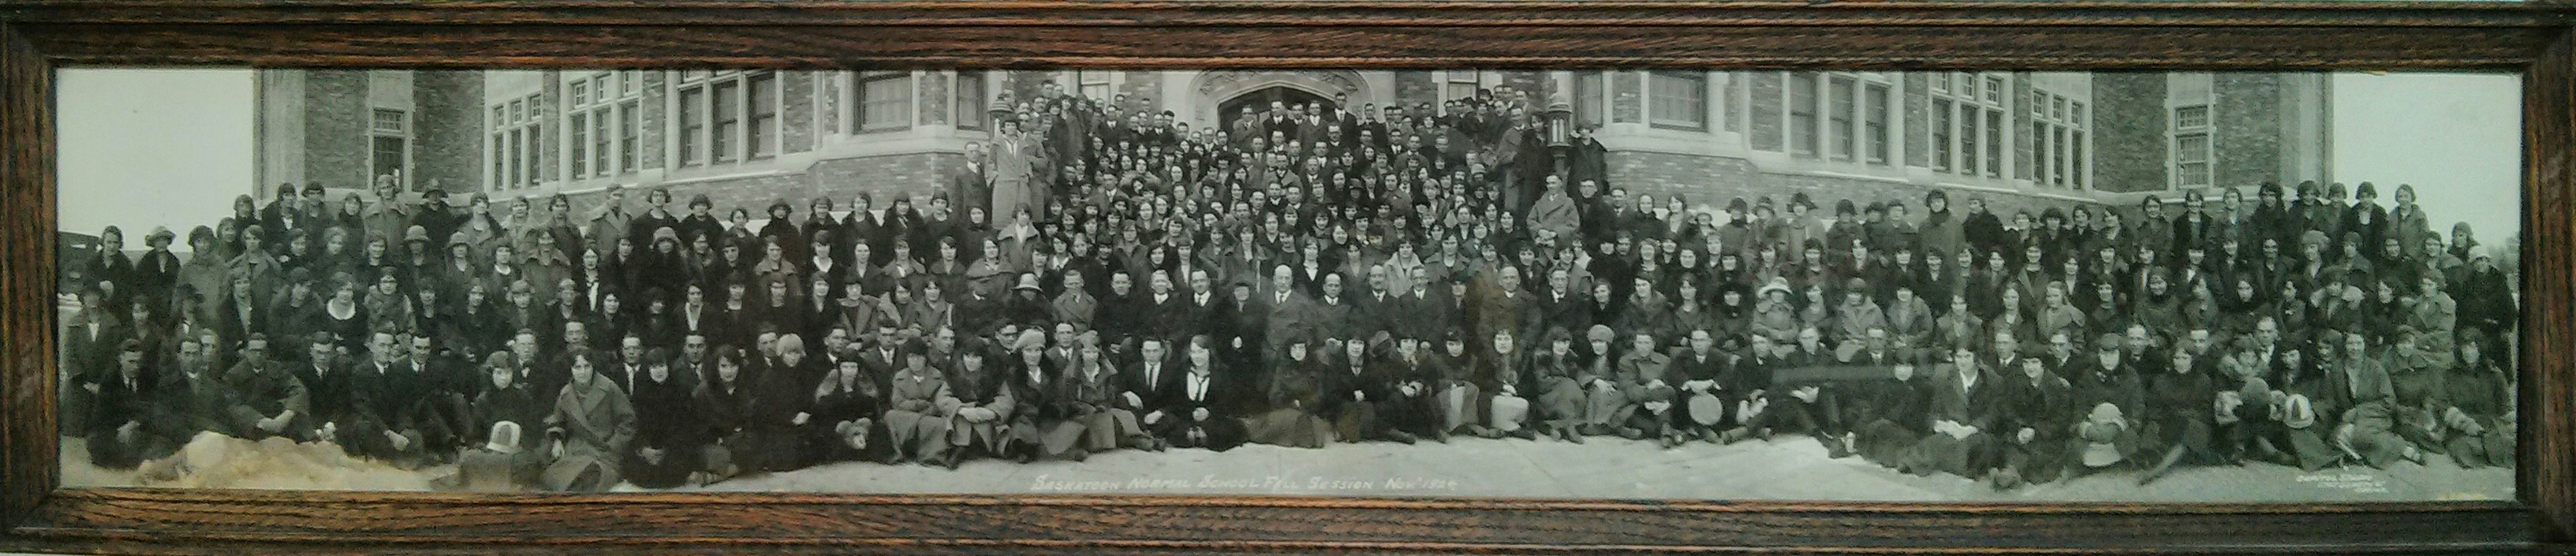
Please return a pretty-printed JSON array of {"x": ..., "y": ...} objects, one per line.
[{"x": 1620, "y": 283}]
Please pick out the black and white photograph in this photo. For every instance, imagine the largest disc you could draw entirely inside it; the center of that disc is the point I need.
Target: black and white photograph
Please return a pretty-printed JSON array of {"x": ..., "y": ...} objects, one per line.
[{"x": 1594, "y": 283}]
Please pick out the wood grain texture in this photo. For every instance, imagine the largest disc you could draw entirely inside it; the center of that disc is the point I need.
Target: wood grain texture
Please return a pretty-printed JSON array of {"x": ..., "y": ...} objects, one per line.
[
  {"x": 2548, "y": 408},
  {"x": 37, "y": 35},
  {"x": 27, "y": 440},
  {"x": 1850, "y": 46}
]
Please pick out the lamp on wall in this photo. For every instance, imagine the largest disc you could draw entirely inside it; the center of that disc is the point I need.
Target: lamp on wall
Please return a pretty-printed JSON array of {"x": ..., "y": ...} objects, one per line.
[
  {"x": 1560, "y": 121},
  {"x": 999, "y": 111}
]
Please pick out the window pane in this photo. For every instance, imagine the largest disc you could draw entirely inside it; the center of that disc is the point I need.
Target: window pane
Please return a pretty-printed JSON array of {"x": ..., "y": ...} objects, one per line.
[
  {"x": 1968, "y": 137},
  {"x": 1942, "y": 121},
  {"x": 2075, "y": 113},
  {"x": 970, "y": 100},
  {"x": 1876, "y": 123},
  {"x": 518, "y": 170},
  {"x": 885, "y": 101},
  {"x": 2057, "y": 162},
  {"x": 728, "y": 121},
  {"x": 1841, "y": 113},
  {"x": 1802, "y": 114},
  {"x": 600, "y": 145},
  {"x": 2188, "y": 117},
  {"x": 1681, "y": 100},
  {"x": 389, "y": 157},
  {"x": 2075, "y": 159},
  {"x": 389, "y": 121},
  {"x": 693, "y": 123},
  {"x": 1994, "y": 90},
  {"x": 579, "y": 91},
  {"x": 2040, "y": 147},
  {"x": 579, "y": 144},
  {"x": 627, "y": 135},
  {"x": 764, "y": 115},
  {"x": 1587, "y": 98},
  {"x": 1995, "y": 143}
]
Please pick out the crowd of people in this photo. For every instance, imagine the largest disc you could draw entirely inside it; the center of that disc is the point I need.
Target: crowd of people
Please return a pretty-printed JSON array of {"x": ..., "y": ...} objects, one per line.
[{"x": 1103, "y": 278}]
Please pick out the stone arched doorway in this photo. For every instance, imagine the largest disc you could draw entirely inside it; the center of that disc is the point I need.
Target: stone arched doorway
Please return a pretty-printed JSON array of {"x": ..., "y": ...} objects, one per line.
[
  {"x": 1220, "y": 89},
  {"x": 1260, "y": 100}
]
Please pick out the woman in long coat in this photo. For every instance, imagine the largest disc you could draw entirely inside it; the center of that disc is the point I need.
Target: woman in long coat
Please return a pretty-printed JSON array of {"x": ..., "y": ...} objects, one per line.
[
  {"x": 2181, "y": 405},
  {"x": 2479, "y": 416},
  {"x": 1016, "y": 161},
  {"x": 845, "y": 424},
  {"x": 591, "y": 424},
  {"x": 1042, "y": 426},
  {"x": 1093, "y": 398},
  {"x": 665, "y": 448},
  {"x": 1295, "y": 396},
  {"x": 918, "y": 407}
]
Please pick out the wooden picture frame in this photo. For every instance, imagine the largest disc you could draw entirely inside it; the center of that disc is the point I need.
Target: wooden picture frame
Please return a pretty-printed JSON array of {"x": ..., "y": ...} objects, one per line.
[{"x": 2537, "y": 39}]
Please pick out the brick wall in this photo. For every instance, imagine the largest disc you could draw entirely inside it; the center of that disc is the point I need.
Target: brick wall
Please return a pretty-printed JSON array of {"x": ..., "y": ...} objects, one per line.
[
  {"x": 2017, "y": 121},
  {"x": 931, "y": 101},
  {"x": 1148, "y": 86},
  {"x": 1714, "y": 180},
  {"x": 655, "y": 116},
  {"x": 796, "y": 115},
  {"x": 903, "y": 174},
  {"x": 2129, "y": 131},
  {"x": 335, "y": 128},
  {"x": 827, "y": 101},
  {"x": 447, "y": 145},
  {"x": 2248, "y": 128},
  {"x": 546, "y": 109},
  {"x": 1764, "y": 131},
  {"x": 1535, "y": 84},
  {"x": 1627, "y": 96},
  {"x": 1414, "y": 88},
  {"x": 1917, "y": 99}
]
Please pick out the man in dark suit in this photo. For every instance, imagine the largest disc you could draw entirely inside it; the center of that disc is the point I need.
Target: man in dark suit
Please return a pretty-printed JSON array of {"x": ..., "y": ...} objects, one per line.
[
  {"x": 972, "y": 184},
  {"x": 384, "y": 422},
  {"x": 118, "y": 437},
  {"x": 1155, "y": 377}
]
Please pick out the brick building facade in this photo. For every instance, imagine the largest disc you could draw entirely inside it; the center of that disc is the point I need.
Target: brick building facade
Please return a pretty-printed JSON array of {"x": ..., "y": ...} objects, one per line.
[{"x": 2019, "y": 139}]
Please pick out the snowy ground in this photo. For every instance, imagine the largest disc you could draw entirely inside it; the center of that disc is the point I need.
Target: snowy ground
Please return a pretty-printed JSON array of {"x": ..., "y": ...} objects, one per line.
[{"x": 1785, "y": 468}]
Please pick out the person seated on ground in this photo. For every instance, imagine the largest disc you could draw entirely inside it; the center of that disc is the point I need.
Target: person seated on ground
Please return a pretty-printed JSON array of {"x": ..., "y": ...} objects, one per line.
[
  {"x": 1204, "y": 410},
  {"x": 1792, "y": 406},
  {"x": 1098, "y": 398},
  {"x": 500, "y": 464},
  {"x": 1460, "y": 402},
  {"x": 724, "y": 401},
  {"x": 192, "y": 397},
  {"x": 983, "y": 417},
  {"x": 1502, "y": 372},
  {"x": 385, "y": 422},
  {"x": 1042, "y": 424},
  {"x": 2367, "y": 427},
  {"x": 919, "y": 408},
  {"x": 1352, "y": 392},
  {"x": 1296, "y": 399},
  {"x": 2036, "y": 418},
  {"x": 2478, "y": 416},
  {"x": 591, "y": 424},
  {"x": 1645, "y": 395},
  {"x": 1597, "y": 371},
  {"x": 1699, "y": 371},
  {"x": 1894, "y": 416},
  {"x": 2180, "y": 402},
  {"x": 845, "y": 425},
  {"x": 505, "y": 400},
  {"x": 1964, "y": 406},
  {"x": 664, "y": 451},
  {"x": 118, "y": 437},
  {"x": 1406, "y": 406},
  {"x": 267, "y": 399}
]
